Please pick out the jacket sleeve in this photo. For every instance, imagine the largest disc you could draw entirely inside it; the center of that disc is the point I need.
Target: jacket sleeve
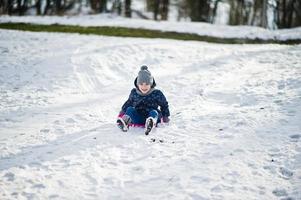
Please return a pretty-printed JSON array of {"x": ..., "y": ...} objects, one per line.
[
  {"x": 163, "y": 105},
  {"x": 128, "y": 102}
]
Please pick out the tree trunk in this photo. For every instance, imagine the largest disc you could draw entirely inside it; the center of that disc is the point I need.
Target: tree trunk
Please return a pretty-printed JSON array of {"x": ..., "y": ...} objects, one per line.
[
  {"x": 264, "y": 18},
  {"x": 240, "y": 13},
  {"x": 288, "y": 13},
  {"x": 298, "y": 13},
  {"x": 244, "y": 12},
  {"x": 19, "y": 9},
  {"x": 291, "y": 13},
  {"x": 58, "y": 7},
  {"x": 236, "y": 12},
  {"x": 150, "y": 5},
  {"x": 164, "y": 10},
  {"x": 103, "y": 6},
  {"x": 24, "y": 6},
  {"x": 195, "y": 10},
  {"x": 127, "y": 8},
  {"x": 156, "y": 9},
  {"x": 205, "y": 10},
  {"x": 38, "y": 7},
  {"x": 94, "y": 5},
  {"x": 2, "y": 7},
  {"x": 10, "y": 7},
  {"x": 47, "y": 7},
  {"x": 284, "y": 13},
  {"x": 256, "y": 9}
]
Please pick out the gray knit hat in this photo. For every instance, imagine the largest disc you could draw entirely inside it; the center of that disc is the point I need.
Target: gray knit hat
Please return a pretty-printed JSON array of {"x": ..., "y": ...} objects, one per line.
[{"x": 144, "y": 76}]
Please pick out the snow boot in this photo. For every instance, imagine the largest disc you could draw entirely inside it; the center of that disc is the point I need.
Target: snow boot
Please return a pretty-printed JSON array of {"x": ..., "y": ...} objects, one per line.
[
  {"x": 149, "y": 125},
  {"x": 124, "y": 122}
]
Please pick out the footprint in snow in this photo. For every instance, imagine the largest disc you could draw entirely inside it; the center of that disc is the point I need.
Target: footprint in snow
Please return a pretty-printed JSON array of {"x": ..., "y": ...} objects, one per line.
[
  {"x": 239, "y": 151},
  {"x": 221, "y": 188},
  {"x": 280, "y": 192},
  {"x": 45, "y": 130},
  {"x": 226, "y": 136},
  {"x": 70, "y": 120},
  {"x": 287, "y": 198},
  {"x": 261, "y": 190},
  {"x": 10, "y": 176},
  {"x": 217, "y": 189},
  {"x": 285, "y": 173},
  {"x": 137, "y": 170},
  {"x": 231, "y": 177},
  {"x": 200, "y": 179},
  {"x": 295, "y": 137},
  {"x": 15, "y": 195},
  {"x": 80, "y": 117},
  {"x": 91, "y": 179},
  {"x": 291, "y": 113},
  {"x": 270, "y": 168},
  {"x": 274, "y": 150},
  {"x": 54, "y": 196},
  {"x": 196, "y": 196},
  {"x": 39, "y": 186},
  {"x": 56, "y": 122}
]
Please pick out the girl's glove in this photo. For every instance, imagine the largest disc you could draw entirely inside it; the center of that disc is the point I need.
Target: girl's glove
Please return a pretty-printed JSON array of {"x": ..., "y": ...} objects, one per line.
[{"x": 166, "y": 119}]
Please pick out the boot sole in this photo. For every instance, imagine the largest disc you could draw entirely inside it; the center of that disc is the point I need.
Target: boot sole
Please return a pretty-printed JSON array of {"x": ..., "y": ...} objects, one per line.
[{"x": 124, "y": 127}]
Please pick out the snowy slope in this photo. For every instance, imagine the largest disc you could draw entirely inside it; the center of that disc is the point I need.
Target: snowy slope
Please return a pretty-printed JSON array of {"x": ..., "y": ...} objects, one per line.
[
  {"x": 235, "y": 131},
  {"x": 221, "y": 31}
]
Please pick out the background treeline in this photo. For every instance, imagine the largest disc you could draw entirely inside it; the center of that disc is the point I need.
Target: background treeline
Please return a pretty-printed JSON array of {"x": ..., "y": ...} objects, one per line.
[{"x": 270, "y": 14}]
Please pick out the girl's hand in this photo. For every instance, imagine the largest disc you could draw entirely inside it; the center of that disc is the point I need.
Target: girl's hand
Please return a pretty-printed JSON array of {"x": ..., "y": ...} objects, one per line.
[{"x": 166, "y": 119}]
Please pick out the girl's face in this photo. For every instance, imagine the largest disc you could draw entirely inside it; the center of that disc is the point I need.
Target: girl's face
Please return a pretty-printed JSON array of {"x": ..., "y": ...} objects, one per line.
[{"x": 144, "y": 88}]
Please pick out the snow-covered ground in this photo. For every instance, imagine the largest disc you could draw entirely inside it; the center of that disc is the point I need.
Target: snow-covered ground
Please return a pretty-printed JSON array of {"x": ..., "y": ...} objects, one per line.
[
  {"x": 222, "y": 31},
  {"x": 235, "y": 129}
]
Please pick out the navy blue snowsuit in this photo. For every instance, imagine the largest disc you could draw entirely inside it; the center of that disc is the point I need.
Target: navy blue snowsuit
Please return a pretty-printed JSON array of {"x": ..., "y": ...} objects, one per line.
[{"x": 144, "y": 104}]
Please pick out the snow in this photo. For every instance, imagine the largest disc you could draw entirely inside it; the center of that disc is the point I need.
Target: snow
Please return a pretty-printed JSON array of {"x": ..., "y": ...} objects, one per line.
[
  {"x": 222, "y": 31},
  {"x": 235, "y": 128}
]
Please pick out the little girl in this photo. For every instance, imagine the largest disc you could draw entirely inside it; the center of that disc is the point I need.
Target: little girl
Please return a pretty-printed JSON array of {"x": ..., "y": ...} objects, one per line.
[{"x": 145, "y": 106}]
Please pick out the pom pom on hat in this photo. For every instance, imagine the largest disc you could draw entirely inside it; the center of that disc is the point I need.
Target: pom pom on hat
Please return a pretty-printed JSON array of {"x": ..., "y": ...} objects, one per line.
[{"x": 144, "y": 67}]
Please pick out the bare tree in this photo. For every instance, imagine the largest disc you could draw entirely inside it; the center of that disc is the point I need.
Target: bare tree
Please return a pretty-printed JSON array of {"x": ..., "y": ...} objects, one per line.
[
  {"x": 164, "y": 9},
  {"x": 99, "y": 6},
  {"x": 127, "y": 8},
  {"x": 288, "y": 13},
  {"x": 4, "y": 4},
  {"x": 38, "y": 7},
  {"x": 159, "y": 8},
  {"x": 237, "y": 12},
  {"x": 149, "y": 5},
  {"x": 264, "y": 17},
  {"x": 199, "y": 10},
  {"x": 298, "y": 13},
  {"x": 259, "y": 13},
  {"x": 245, "y": 12},
  {"x": 103, "y": 6},
  {"x": 156, "y": 7}
]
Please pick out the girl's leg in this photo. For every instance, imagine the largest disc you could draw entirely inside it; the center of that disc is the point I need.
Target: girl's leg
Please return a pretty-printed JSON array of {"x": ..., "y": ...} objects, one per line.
[
  {"x": 154, "y": 114},
  {"x": 151, "y": 121},
  {"x": 134, "y": 115}
]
